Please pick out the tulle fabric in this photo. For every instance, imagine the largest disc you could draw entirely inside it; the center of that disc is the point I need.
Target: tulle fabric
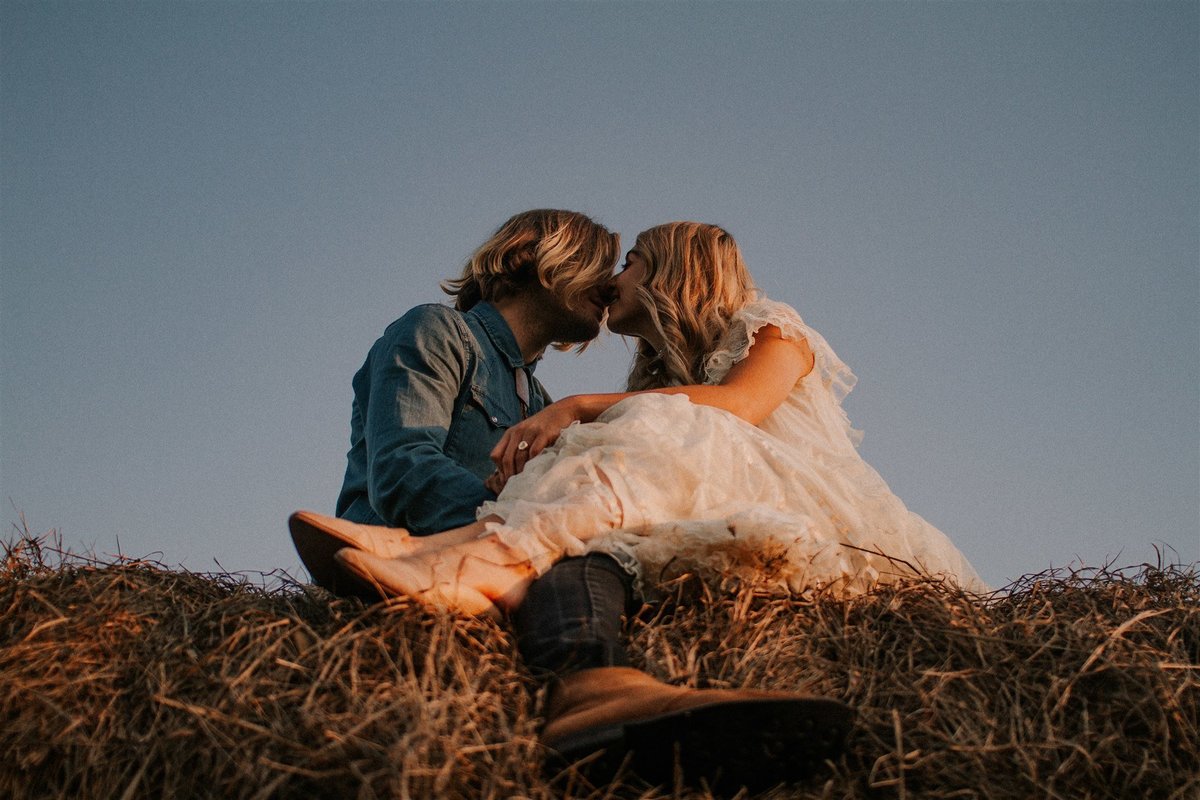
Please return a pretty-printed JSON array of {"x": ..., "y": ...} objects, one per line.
[{"x": 789, "y": 505}]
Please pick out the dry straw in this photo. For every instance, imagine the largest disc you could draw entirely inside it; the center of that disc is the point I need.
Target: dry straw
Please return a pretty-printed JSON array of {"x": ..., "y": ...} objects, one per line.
[{"x": 120, "y": 678}]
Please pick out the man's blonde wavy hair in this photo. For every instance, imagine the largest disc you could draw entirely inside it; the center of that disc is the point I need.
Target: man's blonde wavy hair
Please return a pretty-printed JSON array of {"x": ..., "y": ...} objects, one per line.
[
  {"x": 564, "y": 251},
  {"x": 696, "y": 280}
]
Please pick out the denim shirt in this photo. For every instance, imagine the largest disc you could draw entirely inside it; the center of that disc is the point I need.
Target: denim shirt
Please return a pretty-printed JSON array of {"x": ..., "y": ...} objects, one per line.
[{"x": 434, "y": 396}]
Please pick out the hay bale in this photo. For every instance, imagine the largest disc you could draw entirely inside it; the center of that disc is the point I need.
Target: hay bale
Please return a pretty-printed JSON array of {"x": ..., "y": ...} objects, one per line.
[{"x": 123, "y": 679}]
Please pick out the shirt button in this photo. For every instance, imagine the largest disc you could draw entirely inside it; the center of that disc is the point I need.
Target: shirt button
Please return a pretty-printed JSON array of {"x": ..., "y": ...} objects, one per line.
[{"x": 495, "y": 419}]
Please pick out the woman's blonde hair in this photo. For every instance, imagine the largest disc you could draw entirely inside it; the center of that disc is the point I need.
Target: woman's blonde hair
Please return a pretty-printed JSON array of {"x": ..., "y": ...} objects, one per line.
[
  {"x": 564, "y": 251},
  {"x": 695, "y": 281}
]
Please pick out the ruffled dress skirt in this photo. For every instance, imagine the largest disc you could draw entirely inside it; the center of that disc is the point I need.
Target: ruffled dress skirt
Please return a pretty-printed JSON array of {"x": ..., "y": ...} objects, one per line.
[{"x": 681, "y": 487}]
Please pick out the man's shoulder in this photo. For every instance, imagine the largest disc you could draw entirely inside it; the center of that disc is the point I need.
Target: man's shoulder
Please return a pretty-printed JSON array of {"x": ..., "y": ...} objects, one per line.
[
  {"x": 429, "y": 321},
  {"x": 430, "y": 328},
  {"x": 428, "y": 315}
]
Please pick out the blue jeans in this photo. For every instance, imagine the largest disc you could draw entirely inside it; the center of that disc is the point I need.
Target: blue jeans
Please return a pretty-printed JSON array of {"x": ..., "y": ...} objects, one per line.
[{"x": 572, "y": 617}]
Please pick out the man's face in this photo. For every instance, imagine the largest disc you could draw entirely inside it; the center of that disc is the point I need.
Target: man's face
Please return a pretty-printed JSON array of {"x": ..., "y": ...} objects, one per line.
[{"x": 581, "y": 323}]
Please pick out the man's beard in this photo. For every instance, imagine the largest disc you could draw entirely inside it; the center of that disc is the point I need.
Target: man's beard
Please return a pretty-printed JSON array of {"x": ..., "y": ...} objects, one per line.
[{"x": 574, "y": 328}]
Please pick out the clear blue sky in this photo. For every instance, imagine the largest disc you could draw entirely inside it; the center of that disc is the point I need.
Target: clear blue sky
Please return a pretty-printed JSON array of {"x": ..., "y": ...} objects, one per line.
[{"x": 208, "y": 212}]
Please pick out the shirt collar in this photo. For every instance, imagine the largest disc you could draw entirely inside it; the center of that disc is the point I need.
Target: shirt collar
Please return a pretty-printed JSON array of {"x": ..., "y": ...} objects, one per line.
[{"x": 501, "y": 335}]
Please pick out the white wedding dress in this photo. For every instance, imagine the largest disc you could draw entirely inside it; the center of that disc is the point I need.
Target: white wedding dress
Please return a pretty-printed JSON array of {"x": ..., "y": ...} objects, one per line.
[{"x": 789, "y": 505}]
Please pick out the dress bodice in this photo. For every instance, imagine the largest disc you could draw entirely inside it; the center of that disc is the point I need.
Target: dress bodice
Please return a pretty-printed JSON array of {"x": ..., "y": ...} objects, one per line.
[{"x": 813, "y": 408}]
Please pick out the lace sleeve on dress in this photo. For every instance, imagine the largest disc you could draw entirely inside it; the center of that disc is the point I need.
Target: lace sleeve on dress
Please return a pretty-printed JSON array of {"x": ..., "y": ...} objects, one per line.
[{"x": 746, "y": 322}]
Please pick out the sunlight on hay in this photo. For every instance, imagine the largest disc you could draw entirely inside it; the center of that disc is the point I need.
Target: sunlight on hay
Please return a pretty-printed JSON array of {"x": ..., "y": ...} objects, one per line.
[{"x": 121, "y": 678}]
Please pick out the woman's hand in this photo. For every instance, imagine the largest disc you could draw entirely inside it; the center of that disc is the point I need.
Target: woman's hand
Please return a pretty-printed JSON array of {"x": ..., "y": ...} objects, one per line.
[{"x": 531, "y": 436}]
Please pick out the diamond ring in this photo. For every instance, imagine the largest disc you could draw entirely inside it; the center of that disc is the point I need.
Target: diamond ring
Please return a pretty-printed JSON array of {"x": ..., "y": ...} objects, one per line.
[{"x": 522, "y": 445}]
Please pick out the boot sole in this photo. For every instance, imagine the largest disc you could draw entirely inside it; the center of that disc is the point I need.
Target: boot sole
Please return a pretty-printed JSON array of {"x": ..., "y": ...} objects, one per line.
[{"x": 757, "y": 744}]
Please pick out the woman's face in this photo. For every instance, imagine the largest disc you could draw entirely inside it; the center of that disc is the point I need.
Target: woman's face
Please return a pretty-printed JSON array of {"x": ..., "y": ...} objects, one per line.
[{"x": 626, "y": 314}]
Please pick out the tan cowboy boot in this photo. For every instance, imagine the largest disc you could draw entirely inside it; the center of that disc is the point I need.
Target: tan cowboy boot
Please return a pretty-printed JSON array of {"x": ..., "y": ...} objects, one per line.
[
  {"x": 728, "y": 737},
  {"x": 476, "y": 577},
  {"x": 318, "y": 537}
]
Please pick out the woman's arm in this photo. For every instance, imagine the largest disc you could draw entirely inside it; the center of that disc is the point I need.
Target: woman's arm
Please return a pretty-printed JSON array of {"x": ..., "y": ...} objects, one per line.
[{"x": 752, "y": 389}]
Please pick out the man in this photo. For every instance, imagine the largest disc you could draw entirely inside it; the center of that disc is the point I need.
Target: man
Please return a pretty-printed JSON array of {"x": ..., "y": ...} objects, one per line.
[{"x": 434, "y": 396}]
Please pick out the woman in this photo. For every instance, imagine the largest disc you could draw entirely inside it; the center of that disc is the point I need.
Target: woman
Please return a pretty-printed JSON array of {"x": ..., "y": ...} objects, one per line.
[{"x": 730, "y": 455}]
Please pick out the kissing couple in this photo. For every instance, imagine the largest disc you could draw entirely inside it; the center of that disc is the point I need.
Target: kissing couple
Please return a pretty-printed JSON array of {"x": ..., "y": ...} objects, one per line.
[{"x": 728, "y": 455}]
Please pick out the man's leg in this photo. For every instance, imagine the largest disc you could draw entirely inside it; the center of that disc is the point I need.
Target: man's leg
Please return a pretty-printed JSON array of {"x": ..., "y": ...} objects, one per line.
[
  {"x": 569, "y": 630},
  {"x": 571, "y": 618}
]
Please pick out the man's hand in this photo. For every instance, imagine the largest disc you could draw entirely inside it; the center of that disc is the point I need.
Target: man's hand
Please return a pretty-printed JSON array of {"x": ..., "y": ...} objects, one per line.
[
  {"x": 495, "y": 483},
  {"x": 531, "y": 436}
]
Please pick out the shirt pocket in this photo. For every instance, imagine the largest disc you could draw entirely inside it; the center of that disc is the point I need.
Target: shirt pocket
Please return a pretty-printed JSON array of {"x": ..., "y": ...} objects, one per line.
[
  {"x": 479, "y": 425},
  {"x": 494, "y": 412}
]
